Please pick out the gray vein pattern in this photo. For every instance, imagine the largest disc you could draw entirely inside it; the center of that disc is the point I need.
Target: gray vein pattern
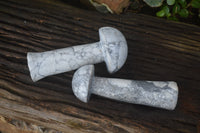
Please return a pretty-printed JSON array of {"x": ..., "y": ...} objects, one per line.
[
  {"x": 151, "y": 93},
  {"x": 62, "y": 60},
  {"x": 161, "y": 94},
  {"x": 81, "y": 82},
  {"x": 112, "y": 48}
]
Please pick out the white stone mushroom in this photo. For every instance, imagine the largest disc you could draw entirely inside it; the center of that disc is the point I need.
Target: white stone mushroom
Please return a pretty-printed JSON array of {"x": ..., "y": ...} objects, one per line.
[
  {"x": 112, "y": 48},
  {"x": 161, "y": 94}
]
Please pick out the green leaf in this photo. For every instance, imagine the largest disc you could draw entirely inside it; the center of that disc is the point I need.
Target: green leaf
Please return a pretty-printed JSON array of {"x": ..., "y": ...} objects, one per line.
[
  {"x": 164, "y": 12},
  {"x": 160, "y": 13},
  {"x": 170, "y": 2},
  {"x": 166, "y": 9},
  {"x": 153, "y": 3},
  {"x": 184, "y": 13},
  {"x": 168, "y": 15},
  {"x": 195, "y": 3},
  {"x": 176, "y": 9},
  {"x": 183, "y": 3}
]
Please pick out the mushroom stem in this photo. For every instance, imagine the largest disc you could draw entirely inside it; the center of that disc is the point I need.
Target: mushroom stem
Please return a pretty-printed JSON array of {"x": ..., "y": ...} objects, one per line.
[
  {"x": 161, "y": 94},
  {"x": 42, "y": 64}
]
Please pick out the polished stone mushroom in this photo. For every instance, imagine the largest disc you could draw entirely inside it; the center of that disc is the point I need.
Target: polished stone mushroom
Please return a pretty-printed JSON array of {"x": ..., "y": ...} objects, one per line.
[
  {"x": 112, "y": 48},
  {"x": 151, "y": 93}
]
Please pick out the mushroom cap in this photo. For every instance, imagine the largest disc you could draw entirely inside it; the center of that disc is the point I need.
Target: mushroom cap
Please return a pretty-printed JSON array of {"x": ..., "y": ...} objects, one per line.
[
  {"x": 81, "y": 82},
  {"x": 114, "y": 48}
]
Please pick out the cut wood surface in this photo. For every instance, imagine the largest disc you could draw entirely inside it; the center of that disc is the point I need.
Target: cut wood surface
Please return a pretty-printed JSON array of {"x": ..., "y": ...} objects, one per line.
[{"x": 158, "y": 50}]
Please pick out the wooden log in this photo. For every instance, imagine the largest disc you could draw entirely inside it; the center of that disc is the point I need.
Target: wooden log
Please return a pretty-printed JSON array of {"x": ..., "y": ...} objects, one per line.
[
  {"x": 8, "y": 125},
  {"x": 158, "y": 50}
]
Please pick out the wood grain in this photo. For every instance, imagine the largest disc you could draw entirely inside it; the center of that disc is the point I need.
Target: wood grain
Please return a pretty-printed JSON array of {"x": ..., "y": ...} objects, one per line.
[{"x": 158, "y": 50}]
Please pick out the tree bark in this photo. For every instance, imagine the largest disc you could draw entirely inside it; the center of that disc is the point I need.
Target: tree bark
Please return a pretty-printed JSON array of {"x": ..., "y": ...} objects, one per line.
[{"x": 158, "y": 50}]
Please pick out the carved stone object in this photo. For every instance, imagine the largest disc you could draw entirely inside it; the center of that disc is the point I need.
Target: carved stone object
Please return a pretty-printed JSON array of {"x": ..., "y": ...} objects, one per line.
[
  {"x": 112, "y": 48},
  {"x": 151, "y": 93}
]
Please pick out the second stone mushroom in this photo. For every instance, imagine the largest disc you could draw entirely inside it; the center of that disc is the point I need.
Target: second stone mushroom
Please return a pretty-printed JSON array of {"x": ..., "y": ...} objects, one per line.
[{"x": 161, "y": 94}]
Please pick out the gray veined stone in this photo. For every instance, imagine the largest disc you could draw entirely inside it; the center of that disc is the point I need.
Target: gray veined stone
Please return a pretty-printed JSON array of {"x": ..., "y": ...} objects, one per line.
[
  {"x": 151, "y": 93},
  {"x": 112, "y": 48}
]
